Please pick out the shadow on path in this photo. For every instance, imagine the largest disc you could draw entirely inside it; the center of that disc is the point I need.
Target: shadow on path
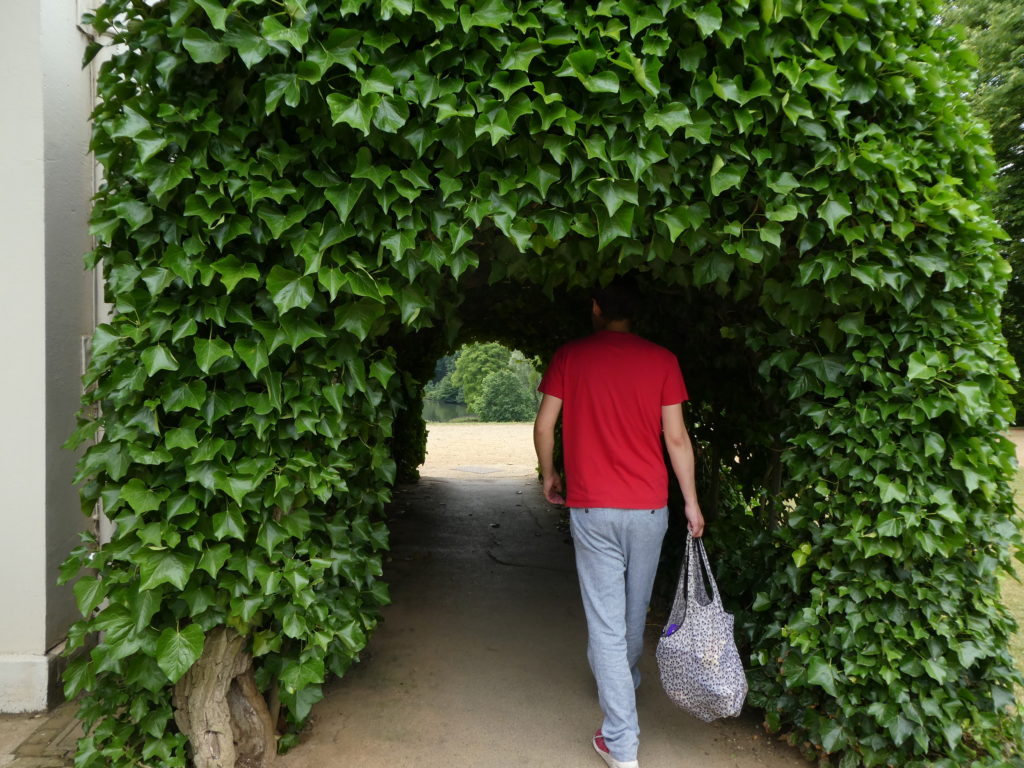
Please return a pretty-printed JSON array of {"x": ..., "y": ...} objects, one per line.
[{"x": 480, "y": 661}]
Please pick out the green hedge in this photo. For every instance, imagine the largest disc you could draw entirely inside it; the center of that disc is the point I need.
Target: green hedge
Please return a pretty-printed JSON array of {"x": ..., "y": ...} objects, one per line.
[{"x": 295, "y": 191}]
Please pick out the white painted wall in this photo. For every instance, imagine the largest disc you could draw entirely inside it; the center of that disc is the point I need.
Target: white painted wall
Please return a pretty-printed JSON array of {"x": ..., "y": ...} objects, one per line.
[{"x": 46, "y": 307}]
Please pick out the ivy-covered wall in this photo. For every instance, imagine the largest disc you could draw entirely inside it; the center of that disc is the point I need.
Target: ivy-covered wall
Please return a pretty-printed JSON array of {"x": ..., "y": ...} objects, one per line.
[{"x": 302, "y": 198}]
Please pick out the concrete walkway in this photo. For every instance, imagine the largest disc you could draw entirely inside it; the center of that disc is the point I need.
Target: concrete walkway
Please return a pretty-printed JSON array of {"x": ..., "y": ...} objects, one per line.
[
  {"x": 480, "y": 661},
  {"x": 45, "y": 740}
]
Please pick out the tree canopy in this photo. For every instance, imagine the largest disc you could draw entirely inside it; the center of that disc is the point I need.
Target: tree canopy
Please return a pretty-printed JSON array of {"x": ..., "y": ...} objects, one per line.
[{"x": 474, "y": 364}]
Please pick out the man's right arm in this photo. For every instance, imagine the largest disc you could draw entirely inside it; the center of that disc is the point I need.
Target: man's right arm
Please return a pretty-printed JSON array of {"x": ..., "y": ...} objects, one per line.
[
  {"x": 680, "y": 453},
  {"x": 544, "y": 442}
]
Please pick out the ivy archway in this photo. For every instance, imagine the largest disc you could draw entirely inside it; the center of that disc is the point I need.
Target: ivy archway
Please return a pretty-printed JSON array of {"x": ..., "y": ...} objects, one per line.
[{"x": 299, "y": 196}]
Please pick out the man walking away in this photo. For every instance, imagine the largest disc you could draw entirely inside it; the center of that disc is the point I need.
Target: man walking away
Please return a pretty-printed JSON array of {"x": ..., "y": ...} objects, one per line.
[{"x": 618, "y": 394}]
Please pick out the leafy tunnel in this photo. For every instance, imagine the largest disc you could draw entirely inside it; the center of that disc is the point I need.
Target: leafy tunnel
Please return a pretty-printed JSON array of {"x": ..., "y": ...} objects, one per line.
[{"x": 306, "y": 204}]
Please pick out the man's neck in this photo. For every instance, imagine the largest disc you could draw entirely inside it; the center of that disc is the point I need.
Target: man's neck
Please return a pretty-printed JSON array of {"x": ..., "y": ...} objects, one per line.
[{"x": 618, "y": 326}]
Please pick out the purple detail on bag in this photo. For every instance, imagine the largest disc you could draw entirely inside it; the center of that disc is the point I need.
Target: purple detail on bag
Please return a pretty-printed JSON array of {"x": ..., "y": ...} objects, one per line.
[{"x": 671, "y": 628}]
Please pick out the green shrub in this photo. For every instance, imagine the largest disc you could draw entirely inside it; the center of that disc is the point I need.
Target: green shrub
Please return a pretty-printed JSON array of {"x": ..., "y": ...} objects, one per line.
[
  {"x": 474, "y": 364},
  {"x": 504, "y": 398}
]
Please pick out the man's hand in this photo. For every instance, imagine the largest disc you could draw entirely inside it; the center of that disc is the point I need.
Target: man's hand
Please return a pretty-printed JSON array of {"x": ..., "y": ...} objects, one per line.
[
  {"x": 553, "y": 488},
  {"x": 695, "y": 520}
]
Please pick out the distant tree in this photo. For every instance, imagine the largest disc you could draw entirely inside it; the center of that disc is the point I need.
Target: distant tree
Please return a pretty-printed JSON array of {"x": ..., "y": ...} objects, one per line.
[
  {"x": 504, "y": 398},
  {"x": 444, "y": 391},
  {"x": 527, "y": 372},
  {"x": 445, "y": 366},
  {"x": 995, "y": 33},
  {"x": 474, "y": 363},
  {"x": 441, "y": 388}
]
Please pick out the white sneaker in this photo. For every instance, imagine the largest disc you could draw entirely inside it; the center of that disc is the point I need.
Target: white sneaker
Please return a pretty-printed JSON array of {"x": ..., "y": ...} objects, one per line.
[{"x": 602, "y": 750}]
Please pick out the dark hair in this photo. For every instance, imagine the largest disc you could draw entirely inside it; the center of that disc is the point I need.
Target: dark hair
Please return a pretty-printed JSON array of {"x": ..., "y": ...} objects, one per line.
[{"x": 618, "y": 300}]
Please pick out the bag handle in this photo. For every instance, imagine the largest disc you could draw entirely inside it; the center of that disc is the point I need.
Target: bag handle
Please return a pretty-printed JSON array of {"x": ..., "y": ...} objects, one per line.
[
  {"x": 695, "y": 560},
  {"x": 699, "y": 568}
]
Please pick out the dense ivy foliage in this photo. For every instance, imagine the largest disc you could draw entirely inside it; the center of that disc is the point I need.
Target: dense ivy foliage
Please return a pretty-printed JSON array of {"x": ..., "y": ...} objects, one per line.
[
  {"x": 995, "y": 34},
  {"x": 300, "y": 195}
]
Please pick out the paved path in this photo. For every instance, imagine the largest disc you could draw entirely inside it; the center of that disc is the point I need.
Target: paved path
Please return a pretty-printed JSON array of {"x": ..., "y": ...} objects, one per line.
[
  {"x": 41, "y": 740},
  {"x": 480, "y": 661}
]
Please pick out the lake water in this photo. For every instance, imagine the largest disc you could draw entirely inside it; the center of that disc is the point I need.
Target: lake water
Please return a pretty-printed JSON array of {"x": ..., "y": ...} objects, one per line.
[{"x": 435, "y": 410}]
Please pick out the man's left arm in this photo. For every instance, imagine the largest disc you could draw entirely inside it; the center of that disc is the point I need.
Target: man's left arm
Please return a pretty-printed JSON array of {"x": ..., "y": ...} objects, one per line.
[
  {"x": 544, "y": 443},
  {"x": 680, "y": 453}
]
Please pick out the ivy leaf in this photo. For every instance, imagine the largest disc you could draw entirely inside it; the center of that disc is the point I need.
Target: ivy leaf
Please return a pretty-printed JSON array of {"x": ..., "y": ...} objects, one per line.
[
  {"x": 251, "y": 46},
  {"x": 391, "y": 114},
  {"x": 296, "y": 676},
  {"x": 214, "y": 557},
  {"x": 358, "y": 317},
  {"x": 177, "y": 650},
  {"x": 728, "y": 177},
  {"x": 834, "y": 211},
  {"x": 683, "y": 217},
  {"x": 302, "y": 701},
  {"x": 614, "y": 193},
  {"x": 139, "y": 497},
  {"x": 296, "y": 35},
  {"x": 297, "y": 329},
  {"x": 355, "y": 112},
  {"x": 709, "y": 19},
  {"x": 380, "y": 80},
  {"x": 486, "y": 13},
  {"x": 363, "y": 284},
  {"x": 345, "y": 196},
  {"x": 288, "y": 289},
  {"x": 270, "y": 535},
  {"x": 89, "y": 591},
  {"x": 209, "y": 351},
  {"x": 202, "y": 49},
  {"x": 168, "y": 176},
  {"x": 972, "y": 398},
  {"x": 712, "y": 267},
  {"x": 135, "y": 212},
  {"x": 158, "y": 567},
  {"x": 180, "y": 437},
  {"x": 670, "y": 119},
  {"x": 229, "y": 524},
  {"x": 614, "y": 226},
  {"x": 215, "y": 12},
  {"x": 280, "y": 86},
  {"x": 520, "y": 54},
  {"x": 819, "y": 672},
  {"x": 80, "y": 675},
  {"x": 158, "y": 358},
  {"x": 232, "y": 271},
  {"x": 391, "y": 8},
  {"x": 382, "y": 371},
  {"x": 253, "y": 354},
  {"x": 111, "y": 458}
]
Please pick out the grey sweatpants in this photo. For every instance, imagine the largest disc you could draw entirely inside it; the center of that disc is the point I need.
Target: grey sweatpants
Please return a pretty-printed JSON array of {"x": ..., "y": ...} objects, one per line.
[{"x": 617, "y": 553}]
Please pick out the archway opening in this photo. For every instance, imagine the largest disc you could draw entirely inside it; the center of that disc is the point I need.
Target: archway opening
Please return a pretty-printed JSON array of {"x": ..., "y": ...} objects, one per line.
[{"x": 735, "y": 417}]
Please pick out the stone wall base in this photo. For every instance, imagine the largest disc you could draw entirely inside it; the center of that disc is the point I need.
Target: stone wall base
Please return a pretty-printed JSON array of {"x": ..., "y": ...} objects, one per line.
[{"x": 31, "y": 683}]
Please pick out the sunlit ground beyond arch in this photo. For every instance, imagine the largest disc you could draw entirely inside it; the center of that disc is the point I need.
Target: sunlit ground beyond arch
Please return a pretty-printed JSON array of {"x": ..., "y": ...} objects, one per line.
[{"x": 479, "y": 450}]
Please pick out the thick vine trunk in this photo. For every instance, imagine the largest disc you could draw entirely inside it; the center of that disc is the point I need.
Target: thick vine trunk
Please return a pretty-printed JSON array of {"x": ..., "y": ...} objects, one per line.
[{"x": 219, "y": 708}]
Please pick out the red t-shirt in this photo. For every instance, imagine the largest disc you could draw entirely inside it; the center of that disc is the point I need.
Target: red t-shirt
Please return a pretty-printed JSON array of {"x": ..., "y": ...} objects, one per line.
[{"x": 612, "y": 387}]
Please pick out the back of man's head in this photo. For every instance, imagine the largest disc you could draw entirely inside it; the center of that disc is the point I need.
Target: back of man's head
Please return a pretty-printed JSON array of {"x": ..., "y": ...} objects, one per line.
[{"x": 618, "y": 300}]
